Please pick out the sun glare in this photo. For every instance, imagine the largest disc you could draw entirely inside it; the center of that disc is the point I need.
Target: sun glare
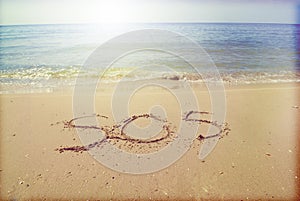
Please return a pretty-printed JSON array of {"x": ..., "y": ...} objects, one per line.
[{"x": 113, "y": 12}]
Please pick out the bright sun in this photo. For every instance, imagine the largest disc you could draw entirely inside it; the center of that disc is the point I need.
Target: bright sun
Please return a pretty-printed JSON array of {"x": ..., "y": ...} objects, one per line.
[{"x": 113, "y": 11}]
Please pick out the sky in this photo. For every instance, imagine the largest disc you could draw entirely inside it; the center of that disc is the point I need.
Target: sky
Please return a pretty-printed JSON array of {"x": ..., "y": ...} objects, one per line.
[{"x": 124, "y": 11}]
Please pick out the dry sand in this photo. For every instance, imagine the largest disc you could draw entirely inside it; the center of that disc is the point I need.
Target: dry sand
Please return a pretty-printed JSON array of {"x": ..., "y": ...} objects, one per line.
[{"x": 258, "y": 160}]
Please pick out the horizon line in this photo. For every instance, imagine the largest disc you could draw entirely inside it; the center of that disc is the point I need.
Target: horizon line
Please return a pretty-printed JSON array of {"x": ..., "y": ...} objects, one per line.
[{"x": 166, "y": 22}]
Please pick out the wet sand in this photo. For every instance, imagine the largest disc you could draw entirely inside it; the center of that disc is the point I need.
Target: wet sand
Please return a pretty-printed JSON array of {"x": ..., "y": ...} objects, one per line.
[{"x": 256, "y": 159}]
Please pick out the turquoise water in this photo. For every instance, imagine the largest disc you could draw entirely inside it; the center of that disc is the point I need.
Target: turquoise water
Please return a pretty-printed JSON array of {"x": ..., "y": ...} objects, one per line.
[{"x": 47, "y": 56}]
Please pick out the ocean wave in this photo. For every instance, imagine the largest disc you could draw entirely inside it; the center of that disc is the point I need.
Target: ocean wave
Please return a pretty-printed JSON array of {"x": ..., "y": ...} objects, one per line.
[
  {"x": 240, "y": 77},
  {"x": 34, "y": 73},
  {"x": 46, "y": 77},
  {"x": 133, "y": 73}
]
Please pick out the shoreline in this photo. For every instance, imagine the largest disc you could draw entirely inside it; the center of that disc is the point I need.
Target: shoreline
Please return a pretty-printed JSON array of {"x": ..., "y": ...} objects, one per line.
[{"x": 175, "y": 83}]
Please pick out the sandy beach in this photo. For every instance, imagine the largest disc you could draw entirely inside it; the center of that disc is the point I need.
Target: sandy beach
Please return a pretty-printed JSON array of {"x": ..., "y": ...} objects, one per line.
[{"x": 257, "y": 160}]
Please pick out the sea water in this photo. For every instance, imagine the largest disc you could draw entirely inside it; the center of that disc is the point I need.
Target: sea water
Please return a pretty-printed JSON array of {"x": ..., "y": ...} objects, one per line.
[{"x": 44, "y": 57}]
